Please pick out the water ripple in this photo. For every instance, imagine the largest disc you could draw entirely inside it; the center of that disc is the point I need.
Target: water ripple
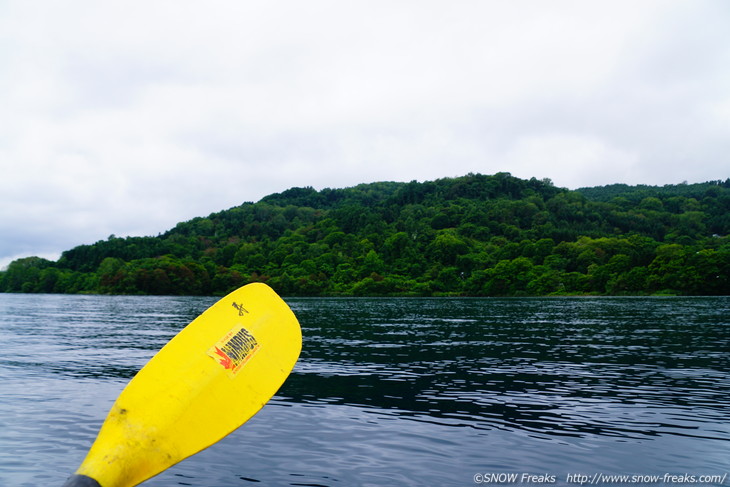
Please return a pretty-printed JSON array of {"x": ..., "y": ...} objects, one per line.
[{"x": 394, "y": 391}]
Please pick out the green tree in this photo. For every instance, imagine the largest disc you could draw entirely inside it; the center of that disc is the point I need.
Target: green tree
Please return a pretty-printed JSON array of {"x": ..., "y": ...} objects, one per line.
[
  {"x": 475, "y": 235},
  {"x": 24, "y": 275},
  {"x": 447, "y": 247}
]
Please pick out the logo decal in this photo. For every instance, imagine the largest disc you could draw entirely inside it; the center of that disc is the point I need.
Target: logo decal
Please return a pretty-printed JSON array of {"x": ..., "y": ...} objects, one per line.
[
  {"x": 234, "y": 350},
  {"x": 241, "y": 310}
]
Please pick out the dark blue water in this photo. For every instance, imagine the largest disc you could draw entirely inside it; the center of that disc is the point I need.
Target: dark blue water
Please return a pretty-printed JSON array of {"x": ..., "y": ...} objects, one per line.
[{"x": 414, "y": 392}]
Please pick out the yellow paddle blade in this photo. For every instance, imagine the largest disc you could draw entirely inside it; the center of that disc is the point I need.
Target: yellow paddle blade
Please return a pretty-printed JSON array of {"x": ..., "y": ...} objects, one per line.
[{"x": 206, "y": 382}]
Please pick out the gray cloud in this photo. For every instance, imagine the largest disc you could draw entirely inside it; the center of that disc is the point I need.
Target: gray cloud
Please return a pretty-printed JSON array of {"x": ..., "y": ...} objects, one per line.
[{"x": 128, "y": 117}]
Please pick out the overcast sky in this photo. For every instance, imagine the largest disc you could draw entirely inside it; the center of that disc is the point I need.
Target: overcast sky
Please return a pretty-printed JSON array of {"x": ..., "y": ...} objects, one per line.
[{"x": 126, "y": 117}]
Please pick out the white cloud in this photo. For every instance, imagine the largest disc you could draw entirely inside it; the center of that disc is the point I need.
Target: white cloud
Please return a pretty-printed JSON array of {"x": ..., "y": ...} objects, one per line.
[
  {"x": 127, "y": 117},
  {"x": 571, "y": 160}
]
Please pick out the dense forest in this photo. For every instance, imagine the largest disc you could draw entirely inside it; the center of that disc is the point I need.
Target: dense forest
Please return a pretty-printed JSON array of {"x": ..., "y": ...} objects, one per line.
[{"x": 475, "y": 235}]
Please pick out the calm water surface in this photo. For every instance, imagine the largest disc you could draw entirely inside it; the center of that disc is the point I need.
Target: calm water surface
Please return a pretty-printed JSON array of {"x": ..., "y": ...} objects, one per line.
[{"x": 390, "y": 392}]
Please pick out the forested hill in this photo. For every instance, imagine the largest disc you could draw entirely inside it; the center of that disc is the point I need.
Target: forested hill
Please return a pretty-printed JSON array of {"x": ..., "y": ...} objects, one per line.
[{"x": 475, "y": 235}]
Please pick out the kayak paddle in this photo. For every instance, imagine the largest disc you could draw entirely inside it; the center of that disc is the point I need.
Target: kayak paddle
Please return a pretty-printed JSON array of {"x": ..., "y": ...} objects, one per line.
[{"x": 212, "y": 377}]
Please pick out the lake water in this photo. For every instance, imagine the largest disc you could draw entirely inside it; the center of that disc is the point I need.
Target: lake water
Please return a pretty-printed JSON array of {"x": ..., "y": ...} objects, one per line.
[{"x": 399, "y": 392}]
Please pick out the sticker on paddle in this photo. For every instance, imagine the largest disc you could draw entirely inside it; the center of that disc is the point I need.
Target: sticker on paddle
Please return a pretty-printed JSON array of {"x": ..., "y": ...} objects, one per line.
[{"x": 234, "y": 349}]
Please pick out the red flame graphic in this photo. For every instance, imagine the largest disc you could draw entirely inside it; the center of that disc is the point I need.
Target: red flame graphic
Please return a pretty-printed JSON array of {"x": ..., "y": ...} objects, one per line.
[{"x": 226, "y": 361}]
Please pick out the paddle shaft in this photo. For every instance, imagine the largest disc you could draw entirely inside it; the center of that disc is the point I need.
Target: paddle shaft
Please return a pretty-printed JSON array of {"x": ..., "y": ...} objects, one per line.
[{"x": 81, "y": 481}]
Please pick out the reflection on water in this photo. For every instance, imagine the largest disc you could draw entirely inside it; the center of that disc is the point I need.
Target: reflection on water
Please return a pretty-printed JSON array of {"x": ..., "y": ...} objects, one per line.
[
  {"x": 395, "y": 391},
  {"x": 621, "y": 367}
]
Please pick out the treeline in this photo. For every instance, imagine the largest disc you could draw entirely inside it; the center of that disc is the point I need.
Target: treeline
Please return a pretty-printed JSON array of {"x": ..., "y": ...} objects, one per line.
[{"x": 475, "y": 235}]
